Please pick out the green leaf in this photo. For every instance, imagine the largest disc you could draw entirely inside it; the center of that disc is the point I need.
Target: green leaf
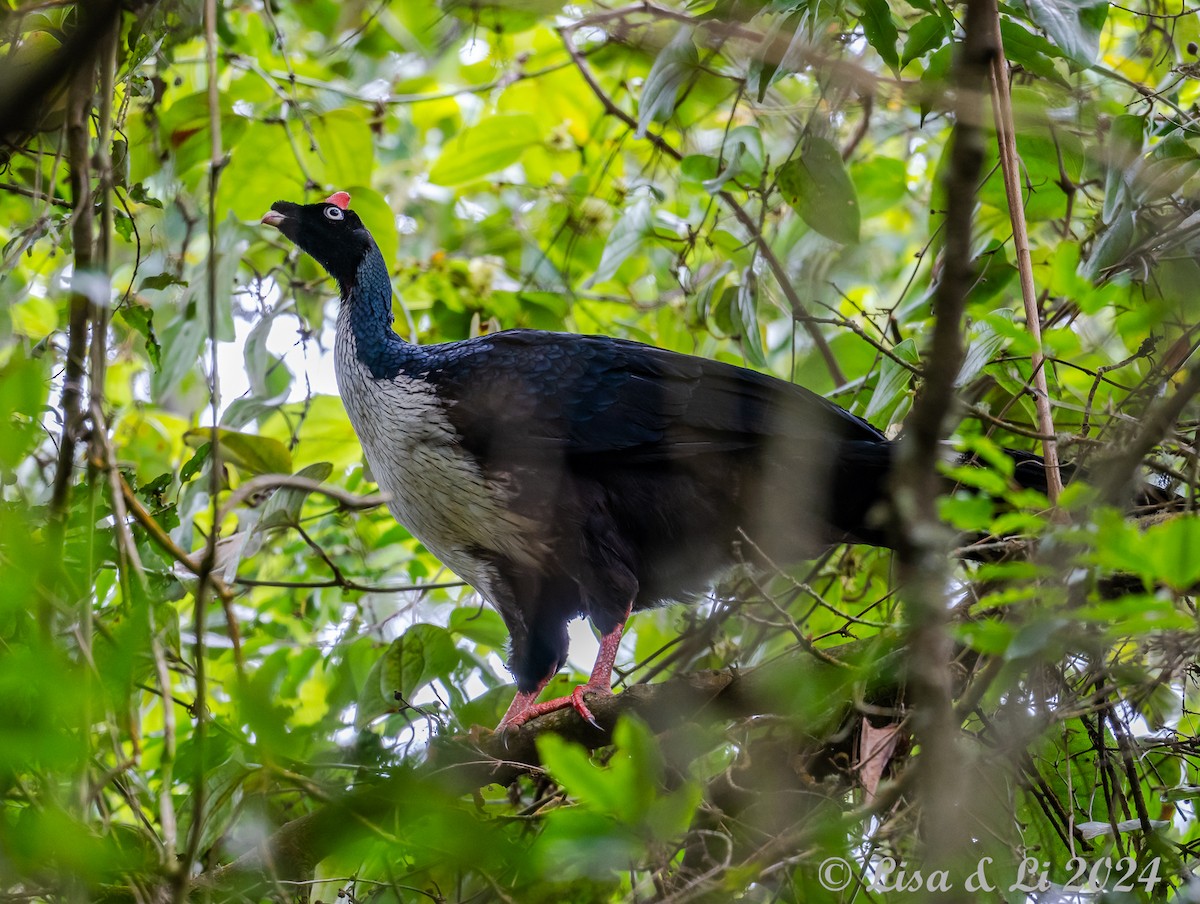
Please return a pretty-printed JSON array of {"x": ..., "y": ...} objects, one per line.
[
  {"x": 743, "y": 148},
  {"x": 626, "y": 238},
  {"x": 925, "y": 35},
  {"x": 967, "y": 511},
  {"x": 1176, "y": 547},
  {"x": 182, "y": 341},
  {"x": 23, "y": 393},
  {"x": 124, "y": 226},
  {"x": 140, "y": 194},
  {"x": 990, "y": 636},
  {"x": 371, "y": 702},
  {"x": 637, "y": 764},
  {"x": 1122, "y": 149},
  {"x": 161, "y": 281},
  {"x": 420, "y": 655},
  {"x": 184, "y": 126},
  {"x": 894, "y": 379},
  {"x": 324, "y": 432},
  {"x": 934, "y": 80},
  {"x": 745, "y": 316},
  {"x": 818, "y": 188},
  {"x": 415, "y": 658},
  {"x": 1111, "y": 248},
  {"x": 1165, "y": 170},
  {"x": 993, "y": 275},
  {"x": 283, "y": 508},
  {"x": 1135, "y": 613},
  {"x": 344, "y": 149},
  {"x": 377, "y": 215},
  {"x": 767, "y": 64},
  {"x": 1031, "y": 52},
  {"x": 490, "y": 145},
  {"x": 880, "y": 30},
  {"x": 985, "y": 342},
  {"x": 140, "y": 319},
  {"x": 481, "y": 624},
  {"x": 671, "y": 814},
  {"x": 672, "y": 67},
  {"x": 34, "y": 317},
  {"x": 699, "y": 168},
  {"x": 570, "y": 766},
  {"x": 1074, "y": 25},
  {"x": 193, "y": 465},
  {"x": 1121, "y": 547},
  {"x": 989, "y": 452},
  {"x": 246, "y": 451},
  {"x": 881, "y": 183},
  {"x": 983, "y": 479},
  {"x": 261, "y": 364},
  {"x": 504, "y": 17},
  {"x": 627, "y": 787},
  {"x": 1041, "y": 636}
]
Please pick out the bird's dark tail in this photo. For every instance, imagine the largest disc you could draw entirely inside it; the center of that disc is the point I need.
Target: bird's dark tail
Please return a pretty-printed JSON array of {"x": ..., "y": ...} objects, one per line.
[
  {"x": 860, "y": 492},
  {"x": 1029, "y": 470},
  {"x": 859, "y": 507}
]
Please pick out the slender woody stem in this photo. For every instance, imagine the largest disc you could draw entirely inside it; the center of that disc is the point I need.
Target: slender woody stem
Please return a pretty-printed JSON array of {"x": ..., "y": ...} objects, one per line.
[{"x": 1010, "y": 167}]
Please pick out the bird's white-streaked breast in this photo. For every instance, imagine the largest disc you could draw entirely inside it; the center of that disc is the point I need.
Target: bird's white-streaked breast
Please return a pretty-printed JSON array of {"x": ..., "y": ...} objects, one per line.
[{"x": 436, "y": 490}]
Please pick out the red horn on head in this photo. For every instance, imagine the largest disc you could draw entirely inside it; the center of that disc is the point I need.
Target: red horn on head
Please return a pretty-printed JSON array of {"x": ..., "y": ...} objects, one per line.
[{"x": 340, "y": 198}]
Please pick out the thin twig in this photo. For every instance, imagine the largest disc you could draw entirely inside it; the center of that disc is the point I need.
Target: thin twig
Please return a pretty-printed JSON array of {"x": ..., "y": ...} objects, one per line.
[
  {"x": 347, "y": 584},
  {"x": 263, "y": 482},
  {"x": 1145, "y": 349},
  {"x": 1010, "y": 165}
]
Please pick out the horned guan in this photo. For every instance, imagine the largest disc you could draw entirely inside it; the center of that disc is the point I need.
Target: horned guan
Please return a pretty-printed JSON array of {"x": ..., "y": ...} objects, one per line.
[{"x": 565, "y": 475}]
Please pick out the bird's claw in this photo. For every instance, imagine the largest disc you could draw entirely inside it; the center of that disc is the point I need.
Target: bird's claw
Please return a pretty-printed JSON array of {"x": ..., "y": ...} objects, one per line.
[
  {"x": 505, "y": 732},
  {"x": 514, "y": 719},
  {"x": 581, "y": 707}
]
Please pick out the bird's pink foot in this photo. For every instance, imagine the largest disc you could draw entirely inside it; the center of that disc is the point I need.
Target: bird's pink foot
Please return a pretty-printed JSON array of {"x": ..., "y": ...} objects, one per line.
[
  {"x": 581, "y": 707},
  {"x": 523, "y": 708}
]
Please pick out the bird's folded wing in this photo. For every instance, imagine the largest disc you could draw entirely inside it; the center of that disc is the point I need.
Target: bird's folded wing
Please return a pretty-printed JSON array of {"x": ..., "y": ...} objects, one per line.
[{"x": 524, "y": 393}]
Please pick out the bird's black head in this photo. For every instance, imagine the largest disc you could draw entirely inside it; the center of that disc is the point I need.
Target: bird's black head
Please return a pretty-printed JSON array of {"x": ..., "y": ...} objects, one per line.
[{"x": 329, "y": 231}]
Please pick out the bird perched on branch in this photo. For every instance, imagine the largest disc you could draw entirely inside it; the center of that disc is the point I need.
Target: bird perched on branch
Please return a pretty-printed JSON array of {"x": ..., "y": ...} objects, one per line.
[{"x": 565, "y": 475}]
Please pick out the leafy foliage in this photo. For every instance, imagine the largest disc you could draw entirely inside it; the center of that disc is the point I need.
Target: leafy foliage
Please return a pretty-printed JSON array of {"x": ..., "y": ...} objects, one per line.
[{"x": 201, "y": 663}]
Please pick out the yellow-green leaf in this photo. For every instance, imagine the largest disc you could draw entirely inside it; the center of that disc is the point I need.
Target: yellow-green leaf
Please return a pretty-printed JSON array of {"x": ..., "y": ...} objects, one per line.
[
  {"x": 492, "y": 144},
  {"x": 245, "y": 451},
  {"x": 818, "y": 188}
]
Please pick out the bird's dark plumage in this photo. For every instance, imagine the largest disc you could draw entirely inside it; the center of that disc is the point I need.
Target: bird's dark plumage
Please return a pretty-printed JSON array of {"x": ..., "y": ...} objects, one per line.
[{"x": 564, "y": 475}]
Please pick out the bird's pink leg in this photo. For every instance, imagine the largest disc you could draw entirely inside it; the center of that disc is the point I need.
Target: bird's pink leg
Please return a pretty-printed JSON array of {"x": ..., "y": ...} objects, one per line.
[
  {"x": 518, "y": 711},
  {"x": 523, "y": 708}
]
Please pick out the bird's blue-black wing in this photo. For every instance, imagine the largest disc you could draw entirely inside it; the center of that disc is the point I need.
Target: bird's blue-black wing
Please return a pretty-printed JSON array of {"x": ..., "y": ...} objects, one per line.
[{"x": 527, "y": 393}]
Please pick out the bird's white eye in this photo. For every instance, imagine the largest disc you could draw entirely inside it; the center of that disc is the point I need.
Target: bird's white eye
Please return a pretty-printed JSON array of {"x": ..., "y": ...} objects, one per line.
[{"x": 334, "y": 213}]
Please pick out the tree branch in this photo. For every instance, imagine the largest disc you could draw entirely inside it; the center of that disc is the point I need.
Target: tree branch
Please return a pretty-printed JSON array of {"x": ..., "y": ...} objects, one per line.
[
  {"x": 458, "y": 764},
  {"x": 79, "y": 104},
  {"x": 921, "y": 542}
]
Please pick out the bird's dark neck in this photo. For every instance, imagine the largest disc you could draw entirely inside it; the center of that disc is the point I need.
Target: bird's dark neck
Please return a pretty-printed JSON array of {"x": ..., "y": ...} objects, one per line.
[{"x": 366, "y": 313}]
